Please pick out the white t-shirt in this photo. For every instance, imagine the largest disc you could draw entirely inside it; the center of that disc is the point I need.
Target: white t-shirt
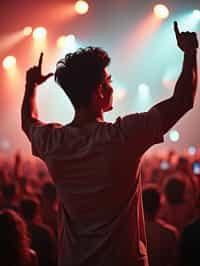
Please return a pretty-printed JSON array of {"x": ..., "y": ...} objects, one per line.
[{"x": 95, "y": 169}]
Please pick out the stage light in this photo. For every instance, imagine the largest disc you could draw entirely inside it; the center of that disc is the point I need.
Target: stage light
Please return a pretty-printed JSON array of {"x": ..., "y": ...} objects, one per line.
[
  {"x": 119, "y": 94},
  {"x": 81, "y": 7},
  {"x": 161, "y": 11},
  {"x": 174, "y": 135},
  {"x": 143, "y": 89},
  {"x": 192, "y": 150},
  {"x": 61, "y": 42},
  {"x": 190, "y": 21},
  {"x": 67, "y": 42},
  {"x": 70, "y": 38},
  {"x": 39, "y": 33},
  {"x": 143, "y": 98},
  {"x": 5, "y": 145},
  {"x": 196, "y": 14},
  {"x": 27, "y": 31},
  {"x": 9, "y": 62}
]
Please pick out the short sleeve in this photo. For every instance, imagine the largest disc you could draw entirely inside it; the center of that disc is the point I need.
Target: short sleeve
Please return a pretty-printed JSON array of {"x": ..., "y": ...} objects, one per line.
[
  {"x": 44, "y": 138},
  {"x": 142, "y": 130}
]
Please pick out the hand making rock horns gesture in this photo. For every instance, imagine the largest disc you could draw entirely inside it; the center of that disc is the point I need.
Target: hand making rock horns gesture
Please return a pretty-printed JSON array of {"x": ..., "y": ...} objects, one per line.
[
  {"x": 34, "y": 74},
  {"x": 187, "y": 41}
]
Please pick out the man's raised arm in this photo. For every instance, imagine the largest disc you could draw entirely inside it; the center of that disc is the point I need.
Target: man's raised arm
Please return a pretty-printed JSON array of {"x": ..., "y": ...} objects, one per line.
[
  {"x": 29, "y": 109},
  {"x": 172, "y": 109}
]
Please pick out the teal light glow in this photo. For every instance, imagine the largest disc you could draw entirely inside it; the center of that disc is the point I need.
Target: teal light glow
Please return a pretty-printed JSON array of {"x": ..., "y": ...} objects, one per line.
[
  {"x": 68, "y": 43},
  {"x": 190, "y": 21},
  {"x": 144, "y": 90},
  {"x": 196, "y": 14},
  {"x": 192, "y": 150},
  {"x": 143, "y": 98},
  {"x": 174, "y": 135}
]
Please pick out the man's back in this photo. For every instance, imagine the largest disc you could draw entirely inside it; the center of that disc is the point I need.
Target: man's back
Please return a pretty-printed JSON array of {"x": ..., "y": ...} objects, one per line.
[
  {"x": 95, "y": 171},
  {"x": 96, "y": 183}
]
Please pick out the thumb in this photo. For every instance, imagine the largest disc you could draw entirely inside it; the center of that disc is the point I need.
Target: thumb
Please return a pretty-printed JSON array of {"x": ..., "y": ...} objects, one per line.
[
  {"x": 44, "y": 78},
  {"x": 47, "y": 76}
]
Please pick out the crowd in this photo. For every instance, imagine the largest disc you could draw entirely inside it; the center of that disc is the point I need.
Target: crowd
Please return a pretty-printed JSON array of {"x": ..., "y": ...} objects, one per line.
[
  {"x": 29, "y": 203},
  {"x": 171, "y": 200}
]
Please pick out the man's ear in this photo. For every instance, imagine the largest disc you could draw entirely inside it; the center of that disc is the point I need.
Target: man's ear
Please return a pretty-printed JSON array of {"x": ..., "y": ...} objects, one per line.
[
  {"x": 100, "y": 92},
  {"x": 97, "y": 95}
]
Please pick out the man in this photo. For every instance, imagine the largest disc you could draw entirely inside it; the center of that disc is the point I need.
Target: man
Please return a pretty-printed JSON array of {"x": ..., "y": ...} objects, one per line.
[
  {"x": 9, "y": 197},
  {"x": 177, "y": 209},
  {"x": 94, "y": 163},
  {"x": 42, "y": 237},
  {"x": 162, "y": 238}
]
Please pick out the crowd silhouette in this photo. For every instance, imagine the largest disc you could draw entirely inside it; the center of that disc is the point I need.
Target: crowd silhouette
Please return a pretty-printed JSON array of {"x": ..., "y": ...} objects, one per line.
[{"x": 171, "y": 202}]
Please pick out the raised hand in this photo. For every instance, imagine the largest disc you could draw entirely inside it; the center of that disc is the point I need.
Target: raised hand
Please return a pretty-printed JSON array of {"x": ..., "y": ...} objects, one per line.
[
  {"x": 187, "y": 41},
  {"x": 34, "y": 74}
]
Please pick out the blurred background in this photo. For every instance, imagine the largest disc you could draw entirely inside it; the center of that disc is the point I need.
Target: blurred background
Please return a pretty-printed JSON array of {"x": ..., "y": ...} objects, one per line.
[{"x": 139, "y": 37}]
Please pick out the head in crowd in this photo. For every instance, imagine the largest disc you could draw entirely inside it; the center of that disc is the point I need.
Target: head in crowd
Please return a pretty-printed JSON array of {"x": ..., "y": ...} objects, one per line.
[
  {"x": 4, "y": 177},
  {"x": 23, "y": 185},
  {"x": 14, "y": 241},
  {"x": 41, "y": 173},
  {"x": 175, "y": 191},
  {"x": 49, "y": 192},
  {"x": 23, "y": 181},
  {"x": 30, "y": 209},
  {"x": 151, "y": 201},
  {"x": 9, "y": 192},
  {"x": 84, "y": 78},
  {"x": 183, "y": 164}
]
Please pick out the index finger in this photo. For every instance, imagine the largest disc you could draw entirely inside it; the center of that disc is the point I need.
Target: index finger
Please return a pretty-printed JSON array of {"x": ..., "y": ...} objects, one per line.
[
  {"x": 176, "y": 29},
  {"x": 40, "y": 60}
]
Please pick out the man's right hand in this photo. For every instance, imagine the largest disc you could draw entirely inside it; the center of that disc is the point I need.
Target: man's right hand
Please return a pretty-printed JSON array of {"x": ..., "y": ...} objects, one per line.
[
  {"x": 34, "y": 75},
  {"x": 187, "y": 41}
]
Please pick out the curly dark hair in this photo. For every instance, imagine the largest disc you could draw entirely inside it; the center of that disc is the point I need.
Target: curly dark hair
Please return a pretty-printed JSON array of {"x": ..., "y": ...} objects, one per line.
[
  {"x": 79, "y": 73},
  {"x": 14, "y": 240}
]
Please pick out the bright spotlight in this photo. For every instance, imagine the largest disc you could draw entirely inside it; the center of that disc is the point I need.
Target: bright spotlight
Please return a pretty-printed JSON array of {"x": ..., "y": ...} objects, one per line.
[
  {"x": 81, "y": 7},
  {"x": 119, "y": 94},
  {"x": 196, "y": 14},
  {"x": 174, "y": 135},
  {"x": 9, "y": 62},
  {"x": 61, "y": 42},
  {"x": 27, "y": 31},
  {"x": 67, "y": 42},
  {"x": 144, "y": 89},
  {"x": 161, "y": 11},
  {"x": 70, "y": 38},
  {"x": 39, "y": 33},
  {"x": 192, "y": 150}
]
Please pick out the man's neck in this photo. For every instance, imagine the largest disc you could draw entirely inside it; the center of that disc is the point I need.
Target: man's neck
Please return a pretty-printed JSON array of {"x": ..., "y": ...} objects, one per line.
[{"x": 85, "y": 116}]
